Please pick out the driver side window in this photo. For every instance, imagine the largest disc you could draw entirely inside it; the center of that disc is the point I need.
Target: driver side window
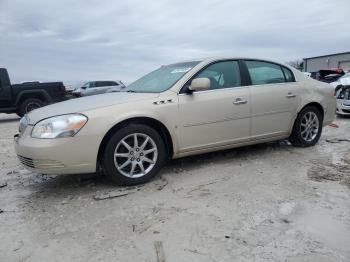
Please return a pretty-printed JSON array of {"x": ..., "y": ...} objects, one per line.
[{"x": 224, "y": 74}]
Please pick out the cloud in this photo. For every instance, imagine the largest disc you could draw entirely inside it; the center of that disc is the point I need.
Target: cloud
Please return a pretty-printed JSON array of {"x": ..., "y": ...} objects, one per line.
[{"x": 73, "y": 40}]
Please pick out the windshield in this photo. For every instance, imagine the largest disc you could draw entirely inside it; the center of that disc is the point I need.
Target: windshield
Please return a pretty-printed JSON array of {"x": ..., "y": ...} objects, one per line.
[
  {"x": 86, "y": 85},
  {"x": 161, "y": 79}
]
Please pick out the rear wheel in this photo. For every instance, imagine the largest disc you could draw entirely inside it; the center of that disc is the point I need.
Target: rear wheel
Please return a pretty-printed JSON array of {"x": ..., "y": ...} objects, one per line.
[
  {"x": 29, "y": 105},
  {"x": 307, "y": 127},
  {"x": 134, "y": 154}
]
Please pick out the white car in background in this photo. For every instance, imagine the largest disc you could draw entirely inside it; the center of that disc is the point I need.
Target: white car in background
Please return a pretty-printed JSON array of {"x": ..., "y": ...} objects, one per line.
[
  {"x": 344, "y": 80},
  {"x": 98, "y": 87},
  {"x": 342, "y": 93}
]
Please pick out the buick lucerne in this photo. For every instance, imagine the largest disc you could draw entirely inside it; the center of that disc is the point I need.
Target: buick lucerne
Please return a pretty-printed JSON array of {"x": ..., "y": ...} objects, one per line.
[{"x": 177, "y": 110}]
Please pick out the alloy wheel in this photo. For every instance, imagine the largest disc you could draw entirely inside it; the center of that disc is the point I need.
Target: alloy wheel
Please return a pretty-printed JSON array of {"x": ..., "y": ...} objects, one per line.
[
  {"x": 135, "y": 155},
  {"x": 309, "y": 126}
]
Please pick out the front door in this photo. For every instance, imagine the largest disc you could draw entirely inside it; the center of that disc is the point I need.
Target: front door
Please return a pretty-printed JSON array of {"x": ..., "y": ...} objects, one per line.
[
  {"x": 91, "y": 89},
  {"x": 219, "y": 116},
  {"x": 101, "y": 87}
]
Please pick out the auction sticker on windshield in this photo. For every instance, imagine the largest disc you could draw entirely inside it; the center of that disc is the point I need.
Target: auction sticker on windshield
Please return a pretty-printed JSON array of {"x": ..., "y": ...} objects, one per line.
[{"x": 181, "y": 70}]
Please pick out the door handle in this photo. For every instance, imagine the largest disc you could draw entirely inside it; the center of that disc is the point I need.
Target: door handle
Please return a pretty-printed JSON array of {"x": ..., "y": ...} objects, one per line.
[
  {"x": 239, "y": 101},
  {"x": 290, "y": 95}
]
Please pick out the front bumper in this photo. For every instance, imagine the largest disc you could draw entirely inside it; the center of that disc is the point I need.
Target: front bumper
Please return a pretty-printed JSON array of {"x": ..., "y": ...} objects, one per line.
[
  {"x": 76, "y": 94},
  {"x": 73, "y": 155},
  {"x": 343, "y": 110}
]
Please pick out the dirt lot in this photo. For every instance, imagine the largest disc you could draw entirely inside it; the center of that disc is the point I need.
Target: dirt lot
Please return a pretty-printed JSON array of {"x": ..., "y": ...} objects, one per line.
[{"x": 270, "y": 202}]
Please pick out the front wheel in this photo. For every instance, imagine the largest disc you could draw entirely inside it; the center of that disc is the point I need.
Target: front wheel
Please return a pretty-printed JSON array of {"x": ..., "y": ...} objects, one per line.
[
  {"x": 307, "y": 128},
  {"x": 134, "y": 154}
]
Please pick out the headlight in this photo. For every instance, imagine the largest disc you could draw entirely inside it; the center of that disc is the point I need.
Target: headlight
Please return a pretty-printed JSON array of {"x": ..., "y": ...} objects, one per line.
[{"x": 59, "y": 126}]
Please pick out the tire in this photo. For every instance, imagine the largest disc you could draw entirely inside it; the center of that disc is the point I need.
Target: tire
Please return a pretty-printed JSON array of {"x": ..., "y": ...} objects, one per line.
[
  {"x": 28, "y": 105},
  {"x": 116, "y": 155},
  {"x": 305, "y": 131}
]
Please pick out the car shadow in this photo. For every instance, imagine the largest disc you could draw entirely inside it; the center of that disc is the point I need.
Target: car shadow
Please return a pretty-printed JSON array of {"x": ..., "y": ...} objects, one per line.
[
  {"x": 241, "y": 153},
  {"x": 61, "y": 186},
  {"x": 52, "y": 188}
]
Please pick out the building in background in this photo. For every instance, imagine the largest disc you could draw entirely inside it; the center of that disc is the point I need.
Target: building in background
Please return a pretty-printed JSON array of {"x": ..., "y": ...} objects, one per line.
[{"x": 314, "y": 64}]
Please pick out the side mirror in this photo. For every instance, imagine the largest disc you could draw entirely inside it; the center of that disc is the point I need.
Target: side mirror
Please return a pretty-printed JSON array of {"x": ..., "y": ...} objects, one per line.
[
  {"x": 200, "y": 84},
  {"x": 83, "y": 87}
]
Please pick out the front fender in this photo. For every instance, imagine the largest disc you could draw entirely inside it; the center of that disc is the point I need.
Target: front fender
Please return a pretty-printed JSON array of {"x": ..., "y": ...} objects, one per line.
[
  {"x": 103, "y": 120},
  {"x": 172, "y": 129}
]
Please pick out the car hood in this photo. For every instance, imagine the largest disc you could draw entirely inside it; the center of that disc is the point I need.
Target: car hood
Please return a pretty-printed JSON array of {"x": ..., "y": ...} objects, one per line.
[
  {"x": 341, "y": 81},
  {"x": 345, "y": 81},
  {"x": 83, "y": 104}
]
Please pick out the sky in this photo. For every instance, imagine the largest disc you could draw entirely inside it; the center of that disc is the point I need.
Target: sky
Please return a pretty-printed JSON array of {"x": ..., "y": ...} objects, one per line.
[{"x": 86, "y": 40}]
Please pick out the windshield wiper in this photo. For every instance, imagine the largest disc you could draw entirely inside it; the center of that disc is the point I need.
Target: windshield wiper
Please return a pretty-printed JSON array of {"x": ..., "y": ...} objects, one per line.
[{"x": 131, "y": 91}]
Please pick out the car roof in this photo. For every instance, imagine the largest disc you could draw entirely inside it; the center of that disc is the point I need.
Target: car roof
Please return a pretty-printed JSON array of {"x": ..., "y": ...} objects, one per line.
[{"x": 221, "y": 58}]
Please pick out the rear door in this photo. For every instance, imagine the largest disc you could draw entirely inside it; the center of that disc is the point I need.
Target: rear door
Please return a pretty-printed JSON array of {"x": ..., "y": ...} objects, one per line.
[
  {"x": 219, "y": 116},
  {"x": 275, "y": 98},
  {"x": 109, "y": 85}
]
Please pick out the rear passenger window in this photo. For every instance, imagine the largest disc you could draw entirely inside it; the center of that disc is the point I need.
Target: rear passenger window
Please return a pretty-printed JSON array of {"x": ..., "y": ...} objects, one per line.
[
  {"x": 262, "y": 73},
  {"x": 288, "y": 74}
]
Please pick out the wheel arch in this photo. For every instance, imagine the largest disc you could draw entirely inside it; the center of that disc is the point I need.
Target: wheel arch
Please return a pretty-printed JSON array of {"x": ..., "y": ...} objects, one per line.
[
  {"x": 316, "y": 105},
  {"x": 149, "y": 121},
  {"x": 27, "y": 94}
]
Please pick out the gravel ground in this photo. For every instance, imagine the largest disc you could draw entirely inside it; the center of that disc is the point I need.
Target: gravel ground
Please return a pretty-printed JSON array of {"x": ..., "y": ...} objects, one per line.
[{"x": 270, "y": 202}]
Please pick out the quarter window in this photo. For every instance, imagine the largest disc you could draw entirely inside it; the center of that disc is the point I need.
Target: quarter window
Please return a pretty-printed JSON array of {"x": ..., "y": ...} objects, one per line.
[
  {"x": 222, "y": 75},
  {"x": 262, "y": 73},
  {"x": 288, "y": 74}
]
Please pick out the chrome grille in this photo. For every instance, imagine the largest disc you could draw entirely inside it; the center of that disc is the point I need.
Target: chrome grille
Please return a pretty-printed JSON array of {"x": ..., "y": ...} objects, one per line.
[{"x": 40, "y": 163}]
